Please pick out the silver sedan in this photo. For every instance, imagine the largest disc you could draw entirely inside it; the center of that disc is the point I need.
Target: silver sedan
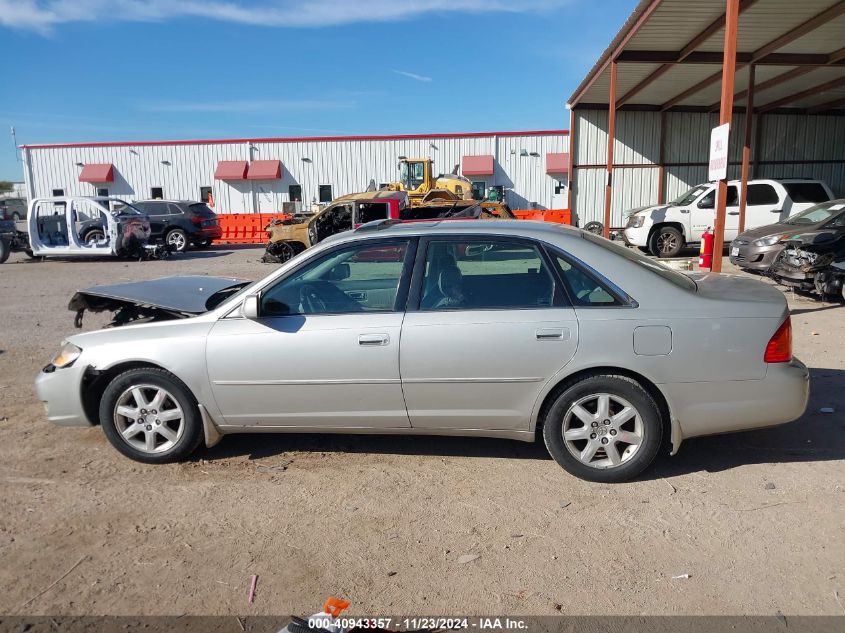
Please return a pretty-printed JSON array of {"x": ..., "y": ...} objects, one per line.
[{"x": 517, "y": 330}]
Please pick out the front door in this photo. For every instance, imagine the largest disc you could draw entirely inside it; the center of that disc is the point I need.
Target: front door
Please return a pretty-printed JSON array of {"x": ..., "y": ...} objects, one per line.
[
  {"x": 491, "y": 330},
  {"x": 703, "y": 214},
  {"x": 324, "y": 352}
]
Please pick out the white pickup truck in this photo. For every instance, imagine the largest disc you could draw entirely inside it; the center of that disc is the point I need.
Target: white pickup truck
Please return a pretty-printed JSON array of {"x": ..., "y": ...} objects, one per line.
[{"x": 664, "y": 230}]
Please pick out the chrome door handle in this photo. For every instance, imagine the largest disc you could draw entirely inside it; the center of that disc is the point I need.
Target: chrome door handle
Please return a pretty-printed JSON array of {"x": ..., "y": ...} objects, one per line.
[
  {"x": 733, "y": 212},
  {"x": 552, "y": 334},
  {"x": 373, "y": 340}
]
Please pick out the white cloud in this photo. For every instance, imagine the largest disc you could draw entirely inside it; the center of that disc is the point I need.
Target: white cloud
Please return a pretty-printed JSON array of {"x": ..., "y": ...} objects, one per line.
[
  {"x": 44, "y": 15},
  {"x": 405, "y": 73},
  {"x": 253, "y": 105}
]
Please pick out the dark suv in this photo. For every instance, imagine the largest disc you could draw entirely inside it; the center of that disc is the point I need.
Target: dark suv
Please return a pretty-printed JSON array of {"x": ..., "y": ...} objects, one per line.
[
  {"x": 181, "y": 223},
  {"x": 12, "y": 209}
]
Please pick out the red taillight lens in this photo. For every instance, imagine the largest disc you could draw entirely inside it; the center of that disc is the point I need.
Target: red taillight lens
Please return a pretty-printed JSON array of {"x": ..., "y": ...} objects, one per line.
[
  {"x": 195, "y": 219},
  {"x": 779, "y": 349}
]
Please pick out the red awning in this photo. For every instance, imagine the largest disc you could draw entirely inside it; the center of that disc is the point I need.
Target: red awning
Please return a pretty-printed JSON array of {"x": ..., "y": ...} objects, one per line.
[
  {"x": 264, "y": 170},
  {"x": 97, "y": 172},
  {"x": 557, "y": 163},
  {"x": 230, "y": 170},
  {"x": 477, "y": 165}
]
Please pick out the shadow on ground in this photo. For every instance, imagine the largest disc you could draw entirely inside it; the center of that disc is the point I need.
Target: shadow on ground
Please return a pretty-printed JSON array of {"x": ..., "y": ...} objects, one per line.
[{"x": 814, "y": 437}]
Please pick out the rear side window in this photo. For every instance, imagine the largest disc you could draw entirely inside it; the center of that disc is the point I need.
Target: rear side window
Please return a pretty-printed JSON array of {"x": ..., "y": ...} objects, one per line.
[
  {"x": 371, "y": 211},
  {"x": 583, "y": 288},
  {"x": 761, "y": 194},
  {"x": 806, "y": 192}
]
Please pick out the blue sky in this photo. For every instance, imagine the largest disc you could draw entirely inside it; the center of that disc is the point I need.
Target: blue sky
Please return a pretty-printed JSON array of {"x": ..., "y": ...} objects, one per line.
[{"x": 98, "y": 70}]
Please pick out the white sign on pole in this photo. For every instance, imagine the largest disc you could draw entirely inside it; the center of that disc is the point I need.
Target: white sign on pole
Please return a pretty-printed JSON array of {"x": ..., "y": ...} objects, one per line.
[{"x": 719, "y": 152}]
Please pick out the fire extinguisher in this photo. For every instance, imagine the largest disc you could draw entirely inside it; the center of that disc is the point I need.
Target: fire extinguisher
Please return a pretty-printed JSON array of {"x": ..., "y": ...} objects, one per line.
[{"x": 705, "y": 256}]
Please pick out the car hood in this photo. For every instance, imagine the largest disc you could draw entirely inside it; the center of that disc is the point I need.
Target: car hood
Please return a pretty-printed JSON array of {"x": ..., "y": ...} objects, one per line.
[
  {"x": 779, "y": 227},
  {"x": 649, "y": 208},
  {"x": 169, "y": 297}
]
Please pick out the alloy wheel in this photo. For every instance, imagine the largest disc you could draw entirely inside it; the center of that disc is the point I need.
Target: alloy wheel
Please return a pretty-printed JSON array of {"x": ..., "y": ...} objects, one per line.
[
  {"x": 149, "y": 418},
  {"x": 602, "y": 430},
  {"x": 667, "y": 242},
  {"x": 176, "y": 240}
]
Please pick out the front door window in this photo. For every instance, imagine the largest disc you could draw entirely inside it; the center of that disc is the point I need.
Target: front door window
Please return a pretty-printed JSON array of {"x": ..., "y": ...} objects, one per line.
[{"x": 361, "y": 278}]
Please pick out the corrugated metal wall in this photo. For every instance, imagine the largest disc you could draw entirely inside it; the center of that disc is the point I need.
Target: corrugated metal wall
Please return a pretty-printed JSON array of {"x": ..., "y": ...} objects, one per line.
[
  {"x": 783, "y": 138},
  {"x": 346, "y": 165}
]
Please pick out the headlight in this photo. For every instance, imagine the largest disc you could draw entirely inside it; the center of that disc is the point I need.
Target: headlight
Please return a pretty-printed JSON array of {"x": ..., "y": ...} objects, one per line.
[
  {"x": 67, "y": 356},
  {"x": 636, "y": 221},
  {"x": 767, "y": 241}
]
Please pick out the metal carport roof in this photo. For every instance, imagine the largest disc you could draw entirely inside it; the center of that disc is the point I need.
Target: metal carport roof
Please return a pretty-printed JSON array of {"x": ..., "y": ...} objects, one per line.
[{"x": 670, "y": 56}]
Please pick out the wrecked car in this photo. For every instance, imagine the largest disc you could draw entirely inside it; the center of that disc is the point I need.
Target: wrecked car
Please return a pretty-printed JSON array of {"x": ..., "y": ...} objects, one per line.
[
  {"x": 812, "y": 262},
  {"x": 12, "y": 239},
  {"x": 57, "y": 227},
  {"x": 288, "y": 238},
  {"x": 155, "y": 300}
]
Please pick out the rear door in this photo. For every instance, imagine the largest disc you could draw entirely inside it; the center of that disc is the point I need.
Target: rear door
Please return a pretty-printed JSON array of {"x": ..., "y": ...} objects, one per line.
[
  {"x": 763, "y": 205},
  {"x": 487, "y": 326}
]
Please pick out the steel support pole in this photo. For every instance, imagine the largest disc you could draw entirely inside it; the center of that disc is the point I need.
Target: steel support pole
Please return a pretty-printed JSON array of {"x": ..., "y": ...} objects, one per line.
[
  {"x": 571, "y": 174},
  {"x": 746, "y": 148},
  {"x": 661, "y": 174},
  {"x": 725, "y": 115},
  {"x": 611, "y": 141}
]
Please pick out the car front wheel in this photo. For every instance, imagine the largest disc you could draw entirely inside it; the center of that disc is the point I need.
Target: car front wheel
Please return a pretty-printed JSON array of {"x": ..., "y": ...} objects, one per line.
[
  {"x": 666, "y": 241},
  {"x": 150, "y": 416},
  {"x": 604, "y": 428}
]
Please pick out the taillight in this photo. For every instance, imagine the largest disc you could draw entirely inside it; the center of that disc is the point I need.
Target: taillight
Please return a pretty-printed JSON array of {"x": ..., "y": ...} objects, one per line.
[
  {"x": 195, "y": 219},
  {"x": 779, "y": 349}
]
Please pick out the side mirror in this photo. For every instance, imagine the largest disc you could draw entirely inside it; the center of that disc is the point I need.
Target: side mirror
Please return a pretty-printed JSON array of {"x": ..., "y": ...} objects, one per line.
[
  {"x": 706, "y": 203},
  {"x": 249, "y": 309}
]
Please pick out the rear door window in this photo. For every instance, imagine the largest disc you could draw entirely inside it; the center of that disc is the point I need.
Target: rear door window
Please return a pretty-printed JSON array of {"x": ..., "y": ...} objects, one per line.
[
  {"x": 371, "y": 211},
  {"x": 485, "y": 275},
  {"x": 761, "y": 194},
  {"x": 584, "y": 289},
  {"x": 806, "y": 192}
]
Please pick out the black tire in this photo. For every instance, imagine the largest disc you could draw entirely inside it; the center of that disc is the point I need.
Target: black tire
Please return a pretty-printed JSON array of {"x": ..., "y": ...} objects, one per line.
[
  {"x": 5, "y": 250},
  {"x": 637, "y": 459},
  {"x": 188, "y": 439},
  {"x": 204, "y": 243},
  {"x": 596, "y": 228},
  {"x": 16, "y": 216},
  {"x": 177, "y": 240},
  {"x": 93, "y": 235},
  {"x": 666, "y": 242}
]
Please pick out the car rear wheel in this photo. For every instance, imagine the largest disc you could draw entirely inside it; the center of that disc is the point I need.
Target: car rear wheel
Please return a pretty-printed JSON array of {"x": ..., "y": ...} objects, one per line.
[
  {"x": 150, "y": 416},
  {"x": 604, "y": 428},
  {"x": 177, "y": 240},
  {"x": 16, "y": 216},
  {"x": 594, "y": 227},
  {"x": 666, "y": 241}
]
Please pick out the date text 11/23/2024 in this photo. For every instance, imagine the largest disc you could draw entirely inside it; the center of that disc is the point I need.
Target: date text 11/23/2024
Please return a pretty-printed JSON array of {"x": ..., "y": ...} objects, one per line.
[{"x": 409, "y": 623}]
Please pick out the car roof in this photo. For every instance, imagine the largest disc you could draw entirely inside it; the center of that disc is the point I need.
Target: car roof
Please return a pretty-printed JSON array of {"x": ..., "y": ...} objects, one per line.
[
  {"x": 513, "y": 228},
  {"x": 171, "y": 201}
]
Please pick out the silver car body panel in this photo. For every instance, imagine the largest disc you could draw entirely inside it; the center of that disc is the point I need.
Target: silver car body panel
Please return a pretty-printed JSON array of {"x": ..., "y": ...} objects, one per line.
[{"x": 471, "y": 372}]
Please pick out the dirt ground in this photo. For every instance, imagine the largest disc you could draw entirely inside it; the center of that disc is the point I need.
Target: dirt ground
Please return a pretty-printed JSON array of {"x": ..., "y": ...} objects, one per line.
[{"x": 755, "y": 519}]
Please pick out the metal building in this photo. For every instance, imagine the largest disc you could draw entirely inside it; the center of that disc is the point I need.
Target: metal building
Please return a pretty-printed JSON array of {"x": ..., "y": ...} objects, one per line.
[
  {"x": 640, "y": 121},
  {"x": 264, "y": 175}
]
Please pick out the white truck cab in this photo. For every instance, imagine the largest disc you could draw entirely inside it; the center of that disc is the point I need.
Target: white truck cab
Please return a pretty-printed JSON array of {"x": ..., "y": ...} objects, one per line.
[{"x": 664, "y": 230}]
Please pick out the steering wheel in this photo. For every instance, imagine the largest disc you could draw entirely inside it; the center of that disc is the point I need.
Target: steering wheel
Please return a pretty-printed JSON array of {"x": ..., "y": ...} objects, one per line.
[{"x": 310, "y": 300}]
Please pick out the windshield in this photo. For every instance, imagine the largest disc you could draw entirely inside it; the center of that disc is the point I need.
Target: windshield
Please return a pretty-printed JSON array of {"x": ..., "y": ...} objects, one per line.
[
  {"x": 689, "y": 197},
  {"x": 411, "y": 175},
  {"x": 814, "y": 215},
  {"x": 676, "y": 277},
  {"x": 124, "y": 208}
]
